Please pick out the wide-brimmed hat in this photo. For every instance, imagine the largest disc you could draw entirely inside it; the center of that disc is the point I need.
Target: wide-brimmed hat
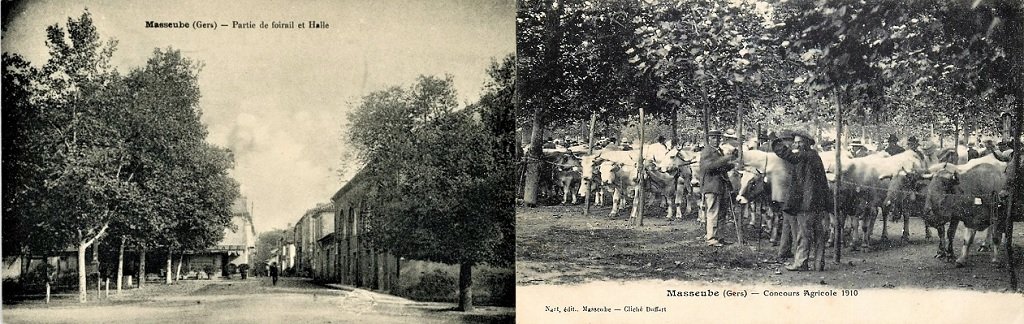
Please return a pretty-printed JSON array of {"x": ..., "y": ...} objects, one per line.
[
  {"x": 856, "y": 143},
  {"x": 715, "y": 133},
  {"x": 789, "y": 135},
  {"x": 730, "y": 133}
]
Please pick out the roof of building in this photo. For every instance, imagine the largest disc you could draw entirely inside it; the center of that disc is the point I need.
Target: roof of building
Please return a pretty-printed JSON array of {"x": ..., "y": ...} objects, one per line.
[{"x": 351, "y": 184}]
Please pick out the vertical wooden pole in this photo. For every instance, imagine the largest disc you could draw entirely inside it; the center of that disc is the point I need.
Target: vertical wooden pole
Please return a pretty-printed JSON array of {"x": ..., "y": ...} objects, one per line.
[
  {"x": 839, "y": 179},
  {"x": 639, "y": 199},
  {"x": 738, "y": 216},
  {"x": 589, "y": 168},
  {"x": 1015, "y": 192}
]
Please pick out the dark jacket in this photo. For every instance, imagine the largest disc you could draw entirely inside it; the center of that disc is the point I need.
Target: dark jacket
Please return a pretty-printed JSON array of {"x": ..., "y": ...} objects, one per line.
[
  {"x": 894, "y": 149},
  {"x": 273, "y": 271},
  {"x": 808, "y": 188},
  {"x": 714, "y": 168}
]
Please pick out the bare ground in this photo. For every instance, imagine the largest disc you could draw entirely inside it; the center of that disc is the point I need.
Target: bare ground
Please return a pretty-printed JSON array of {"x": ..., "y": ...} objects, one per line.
[
  {"x": 558, "y": 245},
  {"x": 292, "y": 300}
]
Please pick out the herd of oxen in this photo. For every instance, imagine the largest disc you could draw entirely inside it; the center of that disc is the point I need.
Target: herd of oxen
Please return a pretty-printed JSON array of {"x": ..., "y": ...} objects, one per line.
[{"x": 940, "y": 186}]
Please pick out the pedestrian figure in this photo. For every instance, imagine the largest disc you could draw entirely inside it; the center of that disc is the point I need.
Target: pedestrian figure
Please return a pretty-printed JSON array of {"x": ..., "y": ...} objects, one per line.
[
  {"x": 809, "y": 197},
  {"x": 714, "y": 182},
  {"x": 273, "y": 273}
]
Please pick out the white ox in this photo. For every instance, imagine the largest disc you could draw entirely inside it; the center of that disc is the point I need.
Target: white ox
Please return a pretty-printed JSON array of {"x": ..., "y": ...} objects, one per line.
[{"x": 618, "y": 171}]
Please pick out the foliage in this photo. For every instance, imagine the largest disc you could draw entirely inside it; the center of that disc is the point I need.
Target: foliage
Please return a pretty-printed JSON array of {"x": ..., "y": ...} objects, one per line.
[
  {"x": 268, "y": 241},
  {"x": 437, "y": 176},
  {"x": 97, "y": 152}
]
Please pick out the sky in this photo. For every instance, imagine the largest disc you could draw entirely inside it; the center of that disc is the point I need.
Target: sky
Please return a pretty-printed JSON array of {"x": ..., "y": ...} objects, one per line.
[{"x": 278, "y": 98}]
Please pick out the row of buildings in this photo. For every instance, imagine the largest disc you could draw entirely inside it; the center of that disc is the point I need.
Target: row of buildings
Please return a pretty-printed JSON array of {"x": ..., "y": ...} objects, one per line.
[
  {"x": 328, "y": 245},
  {"x": 238, "y": 247}
]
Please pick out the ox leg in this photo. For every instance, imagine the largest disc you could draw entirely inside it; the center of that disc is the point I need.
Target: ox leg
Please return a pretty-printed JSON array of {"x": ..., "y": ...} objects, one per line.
[
  {"x": 819, "y": 242},
  {"x": 940, "y": 253},
  {"x": 968, "y": 240},
  {"x": 776, "y": 227},
  {"x": 983, "y": 246},
  {"x": 906, "y": 228},
  {"x": 636, "y": 202},
  {"x": 684, "y": 199},
  {"x": 869, "y": 227},
  {"x": 928, "y": 233},
  {"x": 680, "y": 198},
  {"x": 882, "y": 211},
  {"x": 702, "y": 216},
  {"x": 670, "y": 200},
  {"x": 995, "y": 236},
  {"x": 950, "y": 236},
  {"x": 616, "y": 200}
]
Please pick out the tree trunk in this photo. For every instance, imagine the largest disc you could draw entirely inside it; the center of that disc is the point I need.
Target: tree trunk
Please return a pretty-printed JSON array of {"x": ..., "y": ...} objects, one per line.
[
  {"x": 167, "y": 278},
  {"x": 81, "y": 273},
  {"x": 590, "y": 151},
  {"x": 142, "y": 266},
  {"x": 640, "y": 201},
  {"x": 82, "y": 245},
  {"x": 675, "y": 125},
  {"x": 120, "y": 264},
  {"x": 465, "y": 287},
  {"x": 177, "y": 273},
  {"x": 533, "y": 158}
]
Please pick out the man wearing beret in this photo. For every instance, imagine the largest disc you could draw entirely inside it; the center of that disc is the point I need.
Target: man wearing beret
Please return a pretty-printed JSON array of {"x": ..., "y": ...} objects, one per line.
[
  {"x": 809, "y": 195},
  {"x": 714, "y": 186}
]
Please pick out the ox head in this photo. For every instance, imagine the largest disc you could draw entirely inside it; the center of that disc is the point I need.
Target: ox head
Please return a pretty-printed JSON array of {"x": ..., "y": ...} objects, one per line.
[
  {"x": 752, "y": 185},
  {"x": 608, "y": 170},
  {"x": 943, "y": 178},
  {"x": 590, "y": 177},
  {"x": 672, "y": 161},
  {"x": 569, "y": 162}
]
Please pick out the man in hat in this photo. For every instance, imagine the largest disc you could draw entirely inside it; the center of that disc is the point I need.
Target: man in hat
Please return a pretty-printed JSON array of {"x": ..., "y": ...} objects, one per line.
[
  {"x": 894, "y": 147},
  {"x": 858, "y": 149},
  {"x": 913, "y": 145},
  {"x": 809, "y": 197},
  {"x": 714, "y": 186}
]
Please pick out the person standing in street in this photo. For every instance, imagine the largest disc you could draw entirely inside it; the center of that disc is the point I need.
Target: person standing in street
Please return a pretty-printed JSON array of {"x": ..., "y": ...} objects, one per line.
[
  {"x": 714, "y": 186},
  {"x": 273, "y": 273},
  {"x": 809, "y": 196}
]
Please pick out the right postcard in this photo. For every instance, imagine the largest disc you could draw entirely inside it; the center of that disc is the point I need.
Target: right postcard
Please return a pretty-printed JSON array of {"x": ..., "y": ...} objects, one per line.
[{"x": 769, "y": 161}]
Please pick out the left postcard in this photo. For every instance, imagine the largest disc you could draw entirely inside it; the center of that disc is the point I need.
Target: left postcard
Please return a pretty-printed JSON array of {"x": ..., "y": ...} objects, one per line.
[{"x": 259, "y": 161}]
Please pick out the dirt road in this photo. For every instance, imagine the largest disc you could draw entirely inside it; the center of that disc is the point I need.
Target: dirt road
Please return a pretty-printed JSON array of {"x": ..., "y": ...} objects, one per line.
[{"x": 255, "y": 300}]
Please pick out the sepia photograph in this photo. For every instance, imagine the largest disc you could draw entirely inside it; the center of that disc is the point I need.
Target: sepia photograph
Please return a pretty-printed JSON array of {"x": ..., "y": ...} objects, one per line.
[
  {"x": 259, "y": 161},
  {"x": 710, "y": 160}
]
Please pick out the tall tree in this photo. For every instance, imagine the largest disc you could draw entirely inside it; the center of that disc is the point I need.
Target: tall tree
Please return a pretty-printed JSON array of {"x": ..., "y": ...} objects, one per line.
[{"x": 440, "y": 205}]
